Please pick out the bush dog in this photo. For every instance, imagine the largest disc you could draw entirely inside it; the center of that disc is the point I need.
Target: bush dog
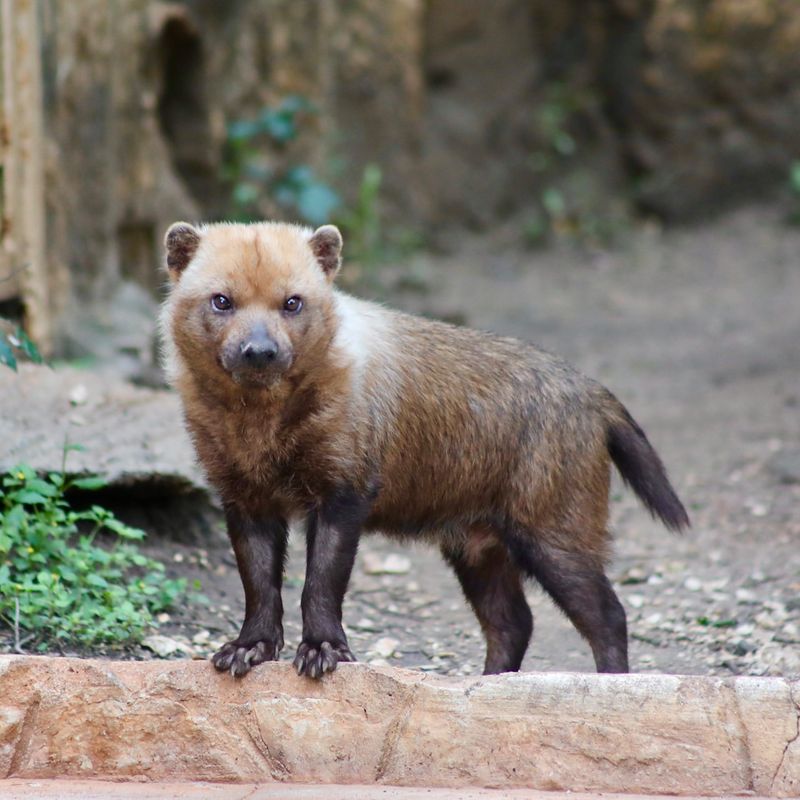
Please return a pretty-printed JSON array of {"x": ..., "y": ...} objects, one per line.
[{"x": 306, "y": 403}]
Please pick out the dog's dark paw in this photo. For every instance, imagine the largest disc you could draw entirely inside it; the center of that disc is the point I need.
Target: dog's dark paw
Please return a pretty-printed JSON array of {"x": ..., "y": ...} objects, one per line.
[
  {"x": 239, "y": 657},
  {"x": 314, "y": 659}
]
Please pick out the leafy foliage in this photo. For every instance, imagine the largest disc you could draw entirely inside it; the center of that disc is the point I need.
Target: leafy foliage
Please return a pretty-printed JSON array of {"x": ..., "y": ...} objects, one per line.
[
  {"x": 57, "y": 585},
  {"x": 362, "y": 224},
  {"x": 11, "y": 344},
  {"x": 256, "y": 150},
  {"x": 253, "y": 170},
  {"x": 569, "y": 205}
]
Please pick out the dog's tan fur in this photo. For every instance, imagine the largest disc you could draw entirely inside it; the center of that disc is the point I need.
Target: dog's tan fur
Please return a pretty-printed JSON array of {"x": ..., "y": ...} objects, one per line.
[{"x": 453, "y": 433}]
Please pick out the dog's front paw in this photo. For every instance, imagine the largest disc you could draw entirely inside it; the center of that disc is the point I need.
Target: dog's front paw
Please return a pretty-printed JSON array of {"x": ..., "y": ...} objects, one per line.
[
  {"x": 238, "y": 657},
  {"x": 314, "y": 659}
]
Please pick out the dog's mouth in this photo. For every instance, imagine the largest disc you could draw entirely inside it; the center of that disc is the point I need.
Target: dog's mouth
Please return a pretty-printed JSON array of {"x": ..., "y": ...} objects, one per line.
[{"x": 256, "y": 379}]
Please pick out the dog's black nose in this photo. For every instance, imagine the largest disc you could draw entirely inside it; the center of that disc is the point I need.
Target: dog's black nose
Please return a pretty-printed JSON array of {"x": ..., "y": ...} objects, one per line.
[{"x": 259, "y": 351}]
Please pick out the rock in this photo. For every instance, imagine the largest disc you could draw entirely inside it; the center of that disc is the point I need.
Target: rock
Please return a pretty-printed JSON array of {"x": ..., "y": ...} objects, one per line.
[
  {"x": 78, "y": 395},
  {"x": 740, "y": 648},
  {"x": 635, "y": 600},
  {"x": 385, "y": 647},
  {"x": 133, "y": 437},
  {"x": 785, "y": 466},
  {"x": 132, "y": 434},
  {"x": 599, "y": 733},
  {"x": 164, "y": 647},
  {"x": 633, "y": 575},
  {"x": 392, "y": 564},
  {"x": 707, "y": 113},
  {"x": 365, "y": 624},
  {"x": 201, "y": 637}
]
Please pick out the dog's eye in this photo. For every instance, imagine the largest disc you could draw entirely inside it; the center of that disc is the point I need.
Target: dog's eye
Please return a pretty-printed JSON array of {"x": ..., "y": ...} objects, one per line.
[
  {"x": 221, "y": 303},
  {"x": 293, "y": 304}
]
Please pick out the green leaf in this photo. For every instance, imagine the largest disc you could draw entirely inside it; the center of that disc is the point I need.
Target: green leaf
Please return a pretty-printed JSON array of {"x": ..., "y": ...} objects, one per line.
[
  {"x": 28, "y": 347},
  {"x": 44, "y": 578},
  {"x": 316, "y": 203},
  {"x": 279, "y": 125},
  {"x": 245, "y": 194},
  {"x": 78, "y": 448},
  {"x": 7, "y": 354},
  {"x": 240, "y": 130},
  {"x": 293, "y": 103},
  {"x": 91, "y": 483},
  {"x": 123, "y": 530},
  {"x": 30, "y": 498},
  {"x": 794, "y": 176},
  {"x": 554, "y": 202},
  {"x": 14, "y": 519},
  {"x": 42, "y": 487},
  {"x": 563, "y": 143},
  {"x": 299, "y": 176},
  {"x": 96, "y": 580}
]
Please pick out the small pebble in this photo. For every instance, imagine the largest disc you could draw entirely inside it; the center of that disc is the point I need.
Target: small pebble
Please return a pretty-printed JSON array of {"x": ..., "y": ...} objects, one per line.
[
  {"x": 385, "y": 647},
  {"x": 392, "y": 564},
  {"x": 163, "y": 646},
  {"x": 79, "y": 395},
  {"x": 365, "y": 624}
]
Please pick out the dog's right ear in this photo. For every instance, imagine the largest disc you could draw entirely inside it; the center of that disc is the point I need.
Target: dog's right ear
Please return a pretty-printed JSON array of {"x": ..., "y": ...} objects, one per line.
[{"x": 181, "y": 243}]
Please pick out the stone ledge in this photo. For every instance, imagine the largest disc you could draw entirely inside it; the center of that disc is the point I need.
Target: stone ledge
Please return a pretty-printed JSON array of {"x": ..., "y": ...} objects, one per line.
[
  {"x": 38, "y": 789},
  {"x": 181, "y": 721}
]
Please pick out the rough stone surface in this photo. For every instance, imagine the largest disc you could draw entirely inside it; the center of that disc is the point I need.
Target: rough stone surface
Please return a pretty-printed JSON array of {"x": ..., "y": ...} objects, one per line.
[
  {"x": 132, "y": 436},
  {"x": 127, "y": 432},
  {"x": 714, "y": 102},
  {"x": 697, "y": 101},
  {"x": 16, "y": 789},
  {"x": 182, "y": 721}
]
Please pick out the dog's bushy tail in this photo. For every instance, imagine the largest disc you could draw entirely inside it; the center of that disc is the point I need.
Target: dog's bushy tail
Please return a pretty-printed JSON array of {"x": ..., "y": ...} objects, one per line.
[{"x": 642, "y": 469}]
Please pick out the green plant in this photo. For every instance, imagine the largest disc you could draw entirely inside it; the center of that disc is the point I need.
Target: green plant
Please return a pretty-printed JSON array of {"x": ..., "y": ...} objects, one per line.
[
  {"x": 58, "y": 586},
  {"x": 17, "y": 341},
  {"x": 362, "y": 223},
  {"x": 256, "y": 174},
  {"x": 794, "y": 189},
  {"x": 569, "y": 205}
]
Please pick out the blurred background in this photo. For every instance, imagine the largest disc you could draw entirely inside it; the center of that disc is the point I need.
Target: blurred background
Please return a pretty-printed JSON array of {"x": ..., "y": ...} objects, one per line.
[
  {"x": 406, "y": 122},
  {"x": 616, "y": 180}
]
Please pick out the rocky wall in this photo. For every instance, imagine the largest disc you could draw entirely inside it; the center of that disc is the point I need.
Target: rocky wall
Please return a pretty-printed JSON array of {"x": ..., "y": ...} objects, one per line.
[{"x": 683, "y": 105}]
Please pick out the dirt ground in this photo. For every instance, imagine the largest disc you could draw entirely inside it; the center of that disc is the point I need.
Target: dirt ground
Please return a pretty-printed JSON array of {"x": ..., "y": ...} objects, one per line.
[{"x": 698, "y": 332}]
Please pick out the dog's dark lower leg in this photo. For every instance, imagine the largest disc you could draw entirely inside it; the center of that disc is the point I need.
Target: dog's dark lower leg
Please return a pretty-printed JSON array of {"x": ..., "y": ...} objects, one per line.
[
  {"x": 579, "y": 586},
  {"x": 492, "y": 585},
  {"x": 259, "y": 543},
  {"x": 332, "y": 541}
]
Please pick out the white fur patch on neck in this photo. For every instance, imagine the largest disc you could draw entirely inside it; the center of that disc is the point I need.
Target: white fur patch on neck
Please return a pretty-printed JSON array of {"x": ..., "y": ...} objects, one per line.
[{"x": 363, "y": 330}]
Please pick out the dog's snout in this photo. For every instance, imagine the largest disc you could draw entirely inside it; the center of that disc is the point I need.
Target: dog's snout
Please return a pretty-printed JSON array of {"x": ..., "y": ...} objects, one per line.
[{"x": 259, "y": 350}]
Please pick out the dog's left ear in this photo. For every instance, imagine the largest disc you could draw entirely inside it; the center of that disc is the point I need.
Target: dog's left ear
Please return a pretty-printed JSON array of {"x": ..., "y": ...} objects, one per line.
[{"x": 326, "y": 245}]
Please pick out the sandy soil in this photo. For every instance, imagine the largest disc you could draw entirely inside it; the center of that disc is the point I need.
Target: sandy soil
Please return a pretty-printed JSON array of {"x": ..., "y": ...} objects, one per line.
[{"x": 698, "y": 332}]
